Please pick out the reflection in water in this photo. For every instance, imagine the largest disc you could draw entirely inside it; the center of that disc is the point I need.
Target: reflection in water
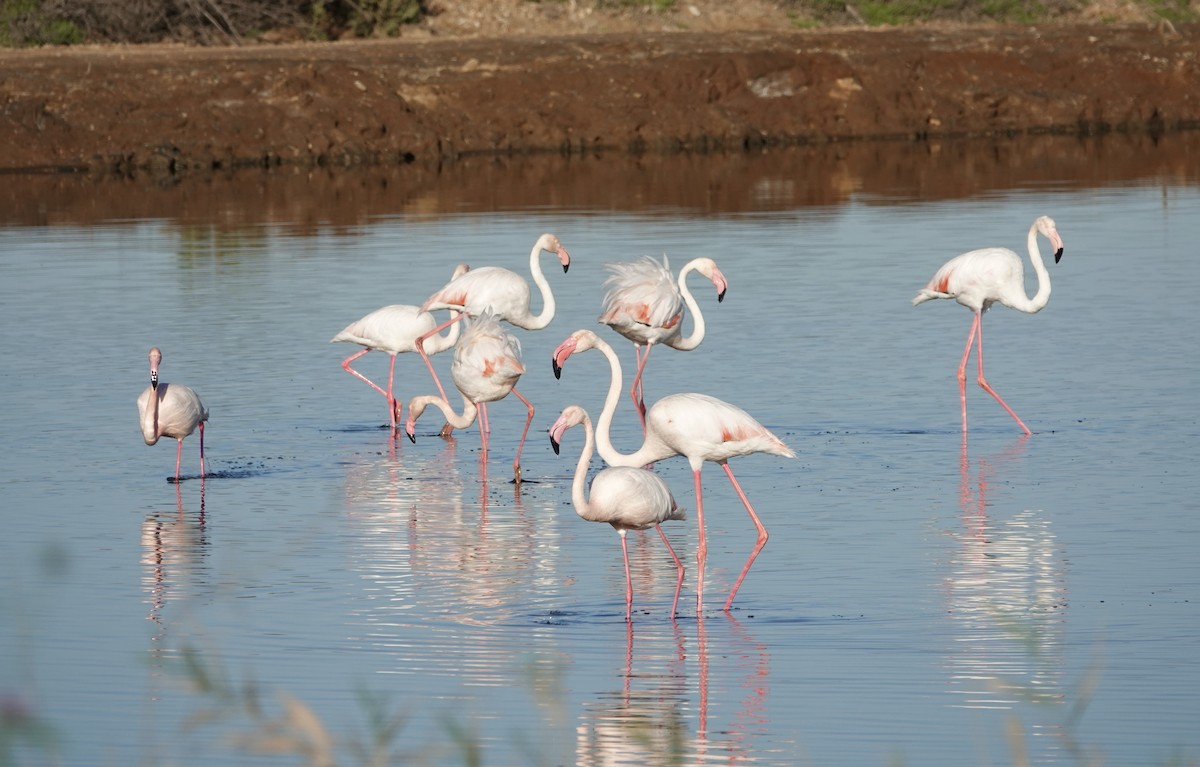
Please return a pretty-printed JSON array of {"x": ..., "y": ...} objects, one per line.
[
  {"x": 174, "y": 550},
  {"x": 646, "y": 721},
  {"x": 1007, "y": 597},
  {"x": 305, "y": 200}
]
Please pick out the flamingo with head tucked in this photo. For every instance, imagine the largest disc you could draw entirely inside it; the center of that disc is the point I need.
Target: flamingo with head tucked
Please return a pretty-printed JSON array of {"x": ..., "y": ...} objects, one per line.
[
  {"x": 170, "y": 410},
  {"x": 502, "y": 291},
  {"x": 979, "y": 278},
  {"x": 487, "y": 366},
  {"x": 699, "y": 427},
  {"x": 624, "y": 497},
  {"x": 645, "y": 304},
  {"x": 394, "y": 329}
]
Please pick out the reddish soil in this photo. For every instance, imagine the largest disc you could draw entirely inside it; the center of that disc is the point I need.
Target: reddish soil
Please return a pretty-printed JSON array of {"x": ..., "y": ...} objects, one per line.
[{"x": 174, "y": 110}]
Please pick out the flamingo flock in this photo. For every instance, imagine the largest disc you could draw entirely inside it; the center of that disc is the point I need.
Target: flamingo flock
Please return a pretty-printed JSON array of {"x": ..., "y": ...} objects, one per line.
[{"x": 646, "y": 304}]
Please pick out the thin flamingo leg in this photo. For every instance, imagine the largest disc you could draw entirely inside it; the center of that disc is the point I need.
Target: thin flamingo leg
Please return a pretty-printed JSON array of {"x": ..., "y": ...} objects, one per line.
[
  {"x": 759, "y": 543},
  {"x": 201, "y": 451},
  {"x": 528, "y": 420},
  {"x": 702, "y": 547},
  {"x": 420, "y": 342},
  {"x": 346, "y": 366},
  {"x": 962, "y": 370},
  {"x": 637, "y": 391},
  {"x": 178, "y": 458},
  {"x": 987, "y": 387},
  {"x": 678, "y": 566},
  {"x": 394, "y": 405},
  {"x": 628, "y": 579}
]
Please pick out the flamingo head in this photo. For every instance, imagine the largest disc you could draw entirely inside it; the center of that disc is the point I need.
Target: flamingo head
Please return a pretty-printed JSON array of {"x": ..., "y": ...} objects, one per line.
[
  {"x": 709, "y": 269},
  {"x": 416, "y": 407},
  {"x": 579, "y": 341},
  {"x": 572, "y": 415},
  {"x": 549, "y": 243},
  {"x": 155, "y": 361},
  {"x": 1046, "y": 226}
]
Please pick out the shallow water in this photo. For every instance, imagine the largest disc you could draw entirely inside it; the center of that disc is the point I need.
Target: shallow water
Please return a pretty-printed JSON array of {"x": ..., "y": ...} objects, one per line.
[{"x": 920, "y": 600}]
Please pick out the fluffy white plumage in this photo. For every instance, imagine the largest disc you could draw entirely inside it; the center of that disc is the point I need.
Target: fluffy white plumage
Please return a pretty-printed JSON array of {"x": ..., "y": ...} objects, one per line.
[{"x": 170, "y": 410}]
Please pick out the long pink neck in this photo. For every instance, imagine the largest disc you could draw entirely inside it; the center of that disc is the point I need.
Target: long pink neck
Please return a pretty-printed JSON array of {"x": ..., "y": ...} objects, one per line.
[
  {"x": 687, "y": 343},
  {"x": 648, "y": 452}
]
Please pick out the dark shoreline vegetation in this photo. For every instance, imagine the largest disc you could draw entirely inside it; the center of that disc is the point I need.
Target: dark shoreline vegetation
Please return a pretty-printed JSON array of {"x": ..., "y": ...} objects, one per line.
[{"x": 29, "y": 23}]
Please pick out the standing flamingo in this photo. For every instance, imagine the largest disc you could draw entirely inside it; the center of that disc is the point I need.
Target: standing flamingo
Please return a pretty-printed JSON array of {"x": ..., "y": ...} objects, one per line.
[
  {"x": 487, "y": 365},
  {"x": 645, "y": 303},
  {"x": 624, "y": 497},
  {"x": 394, "y": 329},
  {"x": 699, "y": 427},
  {"x": 504, "y": 292},
  {"x": 979, "y": 278},
  {"x": 170, "y": 410}
]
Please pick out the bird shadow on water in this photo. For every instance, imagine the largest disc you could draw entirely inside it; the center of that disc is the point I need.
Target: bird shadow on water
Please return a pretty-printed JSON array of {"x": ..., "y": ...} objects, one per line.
[{"x": 242, "y": 468}]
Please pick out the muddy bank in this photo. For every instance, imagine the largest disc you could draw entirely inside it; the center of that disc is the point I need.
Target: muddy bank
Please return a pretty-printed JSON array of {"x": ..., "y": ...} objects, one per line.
[{"x": 170, "y": 110}]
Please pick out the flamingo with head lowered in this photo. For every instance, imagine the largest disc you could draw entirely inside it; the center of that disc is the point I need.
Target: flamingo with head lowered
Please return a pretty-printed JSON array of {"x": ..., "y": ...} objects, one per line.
[
  {"x": 645, "y": 304},
  {"x": 487, "y": 366},
  {"x": 979, "y": 278},
  {"x": 394, "y": 329},
  {"x": 503, "y": 292},
  {"x": 699, "y": 427},
  {"x": 624, "y": 497},
  {"x": 170, "y": 410}
]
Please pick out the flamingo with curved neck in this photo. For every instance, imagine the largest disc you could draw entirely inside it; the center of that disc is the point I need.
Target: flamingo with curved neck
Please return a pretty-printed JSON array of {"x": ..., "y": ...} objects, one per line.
[
  {"x": 624, "y": 497},
  {"x": 699, "y": 427},
  {"x": 170, "y": 410},
  {"x": 979, "y": 278},
  {"x": 645, "y": 304}
]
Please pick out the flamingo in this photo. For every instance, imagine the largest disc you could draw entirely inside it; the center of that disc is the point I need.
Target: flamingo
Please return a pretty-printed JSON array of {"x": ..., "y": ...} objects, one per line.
[
  {"x": 504, "y": 292},
  {"x": 699, "y": 427},
  {"x": 170, "y": 410},
  {"x": 487, "y": 365},
  {"x": 979, "y": 278},
  {"x": 645, "y": 304},
  {"x": 394, "y": 329},
  {"x": 624, "y": 497}
]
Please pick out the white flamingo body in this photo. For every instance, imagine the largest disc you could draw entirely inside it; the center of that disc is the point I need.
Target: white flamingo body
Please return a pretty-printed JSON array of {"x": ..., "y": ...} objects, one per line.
[
  {"x": 170, "y": 410},
  {"x": 699, "y": 427},
  {"x": 626, "y": 498},
  {"x": 980, "y": 278},
  {"x": 487, "y": 365},
  {"x": 394, "y": 330},
  {"x": 503, "y": 293},
  {"x": 645, "y": 304}
]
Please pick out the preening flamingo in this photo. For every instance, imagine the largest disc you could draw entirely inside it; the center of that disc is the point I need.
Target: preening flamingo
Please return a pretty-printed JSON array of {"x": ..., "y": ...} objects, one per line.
[
  {"x": 170, "y": 410},
  {"x": 624, "y": 497},
  {"x": 487, "y": 365},
  {"x": 394, "y": 329},
  {"x": 699, "y": 427},
  {"x": 645, "y": 304},
  {"x": 979, "y": 278},
  {"x": 504, "y": 292}
]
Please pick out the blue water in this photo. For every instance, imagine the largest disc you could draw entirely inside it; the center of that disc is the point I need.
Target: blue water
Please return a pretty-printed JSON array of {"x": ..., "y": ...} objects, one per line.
[{"x": 921, "y": 601}]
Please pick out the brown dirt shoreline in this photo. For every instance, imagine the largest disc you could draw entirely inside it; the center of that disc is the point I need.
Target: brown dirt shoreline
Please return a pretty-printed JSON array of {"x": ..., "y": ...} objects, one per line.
[{"x": 171, "y": 110}]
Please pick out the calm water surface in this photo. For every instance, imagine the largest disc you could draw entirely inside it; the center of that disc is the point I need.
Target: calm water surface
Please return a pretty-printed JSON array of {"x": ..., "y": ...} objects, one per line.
[{"x": 921, "y": 601}]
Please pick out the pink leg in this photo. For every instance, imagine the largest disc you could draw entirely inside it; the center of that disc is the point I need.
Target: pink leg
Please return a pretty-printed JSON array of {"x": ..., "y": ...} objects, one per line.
[
  {"x": 628, "y": 579},
  {"x": 702, "y": 548},
  {"x": 987, "y": 388},
  {"x": 178, "y": 458},
  {"x": 346, "y": 366},
  {"x": 528, "y": 420},
  {"x": 759, "y": 543},
  {"x": 201, "y": 451},
  {"x": 394, "y": 405},
  {"x": 636, "y": 391},
  {"x": 962, "y": 370},
  {"x": 678, "y": 566},
  {"x": 421, "y": 349}
]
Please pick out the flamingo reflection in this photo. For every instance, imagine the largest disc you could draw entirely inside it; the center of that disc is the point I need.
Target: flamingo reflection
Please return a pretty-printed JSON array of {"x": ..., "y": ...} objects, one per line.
[
  {"x": 174, "y": 548},
  {"x": 649, "y": 720},
  {"x": 1007, "y": 595}
]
